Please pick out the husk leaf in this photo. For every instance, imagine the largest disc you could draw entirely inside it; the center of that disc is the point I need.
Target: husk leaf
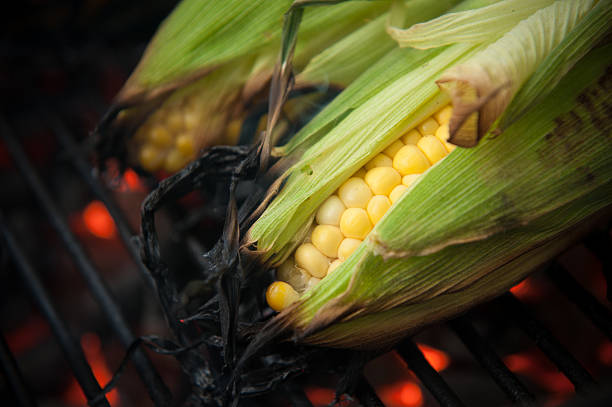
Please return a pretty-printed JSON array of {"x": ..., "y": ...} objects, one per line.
[
  {"x": 477, "y": 222},
  {"x": 199, "y": 36},
  {"x": 345, "y": 60},
  {"x": 483, "y": 87},
  {"x": 381, "y": 74},
  {"x": 471, "y": 26}
]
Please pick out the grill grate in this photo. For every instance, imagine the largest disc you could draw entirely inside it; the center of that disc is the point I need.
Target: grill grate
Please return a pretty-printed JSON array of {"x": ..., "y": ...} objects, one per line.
[
  {"x": 158, "y": 391},
  {"x": 464, "y": 327}
]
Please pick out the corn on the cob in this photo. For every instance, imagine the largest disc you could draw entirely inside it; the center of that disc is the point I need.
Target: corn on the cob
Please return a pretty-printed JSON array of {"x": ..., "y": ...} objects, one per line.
[
  {"x": 190, "y": 89},
  {"x": 475, "y": 222},
  {"x": 347, "y": 217}
]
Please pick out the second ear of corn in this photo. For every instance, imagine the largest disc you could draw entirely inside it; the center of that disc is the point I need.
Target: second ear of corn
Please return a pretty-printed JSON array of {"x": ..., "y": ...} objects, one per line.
[
  {"x": 193, "y": 84},
  {"x": 347, "y": 217}
]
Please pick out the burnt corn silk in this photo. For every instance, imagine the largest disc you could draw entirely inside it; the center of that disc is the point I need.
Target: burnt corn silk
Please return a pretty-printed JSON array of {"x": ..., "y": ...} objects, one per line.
[{"x": 444, "y": 173}]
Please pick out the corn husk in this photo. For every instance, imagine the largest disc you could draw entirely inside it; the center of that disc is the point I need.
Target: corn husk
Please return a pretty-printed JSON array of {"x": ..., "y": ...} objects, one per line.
[
  {"x": 208, "y": 61},
  {"x": 478, "y": 221}
]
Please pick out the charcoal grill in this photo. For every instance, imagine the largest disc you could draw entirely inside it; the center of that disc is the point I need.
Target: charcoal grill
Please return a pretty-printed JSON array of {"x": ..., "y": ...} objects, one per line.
[{"x": 589, "y": 390}]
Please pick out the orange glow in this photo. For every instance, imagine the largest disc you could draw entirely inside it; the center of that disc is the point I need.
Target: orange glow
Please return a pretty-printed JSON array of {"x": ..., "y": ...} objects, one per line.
[
  {"x": 29, "y": 334},
  {"x": 132, "y": 180},
  {"x": 410, "y": 395},
  {"x": 518, "y": 362},
  {"x": 320, "y": 396},
  {"x": 406, "y": 393},
  {"x": 438, "y": 359},
  {"x": 539, "y": 370},
  {"x": 98, "y": 221},
  {"x": 95, "y": 357},
  {"x": 605, "y": 353},
  {"x": 527, "y": 290},
  {"x": 520, "y": 289}
]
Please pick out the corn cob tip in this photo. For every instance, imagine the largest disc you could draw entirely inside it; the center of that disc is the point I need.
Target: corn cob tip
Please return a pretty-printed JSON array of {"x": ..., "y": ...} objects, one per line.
[{"x": 346, "y": 218}]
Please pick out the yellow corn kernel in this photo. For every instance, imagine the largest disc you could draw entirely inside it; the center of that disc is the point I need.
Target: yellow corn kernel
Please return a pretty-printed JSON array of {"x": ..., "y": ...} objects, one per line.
[
  {"x": 292, "y": 275},
  {"x": 175, "y": 160},
  {"x": 377, "y": 207},
  {"x": 393, "y": 148},
  {"x": 409, "y": 179},
  {"x": 191, "y": 120},
  {"x": 334, "y": 265},
  {"x": 150, "y": 158},
  {"x": 429, "y": 126},
  {"x": 347, "y": 247},
  {"x": 442, "y": 135},
  {"x": 327, "y": 238},
  {"x": 432, "y": 148},
  {"x": 397, "y": 193},
  {"x": 382, "y": 180},
  {"x": 160, "y": 137},
  {"x": 355, "y": 193},
  {"x": 355, "y": 223},
  {"x": 410, "y": 160},
  {"x": 412, "y": 137},
  {"x": 174, "y": 121},
  {"x": 443, "y": 115},
  {"x": 308, "y": 257},
  {"x": 280, "y": 295},
  {"x": 360, "y": 173},
  {"x": 330, "y": 211},
  {"x": 184, "y": 144},
  {"x": 381, "y": 160}
]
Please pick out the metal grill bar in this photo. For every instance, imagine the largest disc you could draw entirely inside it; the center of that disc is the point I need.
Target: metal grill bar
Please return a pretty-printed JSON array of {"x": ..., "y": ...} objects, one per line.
[
  {"x": 13, "y": 376},
  {"x": 155, "y": 386},
  {"x": 486, "y": 356},
  {"x": 436, "y": 385},
  {"x": 366, "y": 394},
  {"x": 70, "y": 347},
  {"x": 567, "y": 364},
  {"x": 85, "y": 172},
  {"x": 590, "y": 307}
]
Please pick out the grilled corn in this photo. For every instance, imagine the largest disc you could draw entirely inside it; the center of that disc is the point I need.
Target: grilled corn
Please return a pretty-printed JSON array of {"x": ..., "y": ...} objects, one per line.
[{"x": 424, "y": 236}]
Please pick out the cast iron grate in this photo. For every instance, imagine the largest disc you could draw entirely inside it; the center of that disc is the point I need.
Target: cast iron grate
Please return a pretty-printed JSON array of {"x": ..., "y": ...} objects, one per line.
[{"x": 463, "y": 327}]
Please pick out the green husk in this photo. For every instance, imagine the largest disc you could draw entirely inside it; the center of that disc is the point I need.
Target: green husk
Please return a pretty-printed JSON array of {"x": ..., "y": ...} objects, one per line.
[
  {"x": 395, "y": 64},
  {"x": 344, "y": 61},
  {"x": 483, "y": 87},
  {"x": 476, "y": 222},
  {"x": 208, "y": 62},
  {"x": 535, "y": 185},
  {"x": 200, "y": 36},
  {"x": 470, "y": 26}
]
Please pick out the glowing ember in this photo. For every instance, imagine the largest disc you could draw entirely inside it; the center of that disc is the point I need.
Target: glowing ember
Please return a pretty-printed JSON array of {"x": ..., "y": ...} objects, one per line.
[
  {"x": 31, "y": 333},
  {"x": 95, "y": 357},
  {"x": 405, "y": 393},
  {"x": 132, "y": 181},
  {"x": 540, "y": 371},
  {"x": 98, "y": 221},
  {"x": 605, "y": 353},
  {"x": 410, "y": 395},
  {"x": 438, "y": 359},
  {"x": 320, "y": 396}
]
